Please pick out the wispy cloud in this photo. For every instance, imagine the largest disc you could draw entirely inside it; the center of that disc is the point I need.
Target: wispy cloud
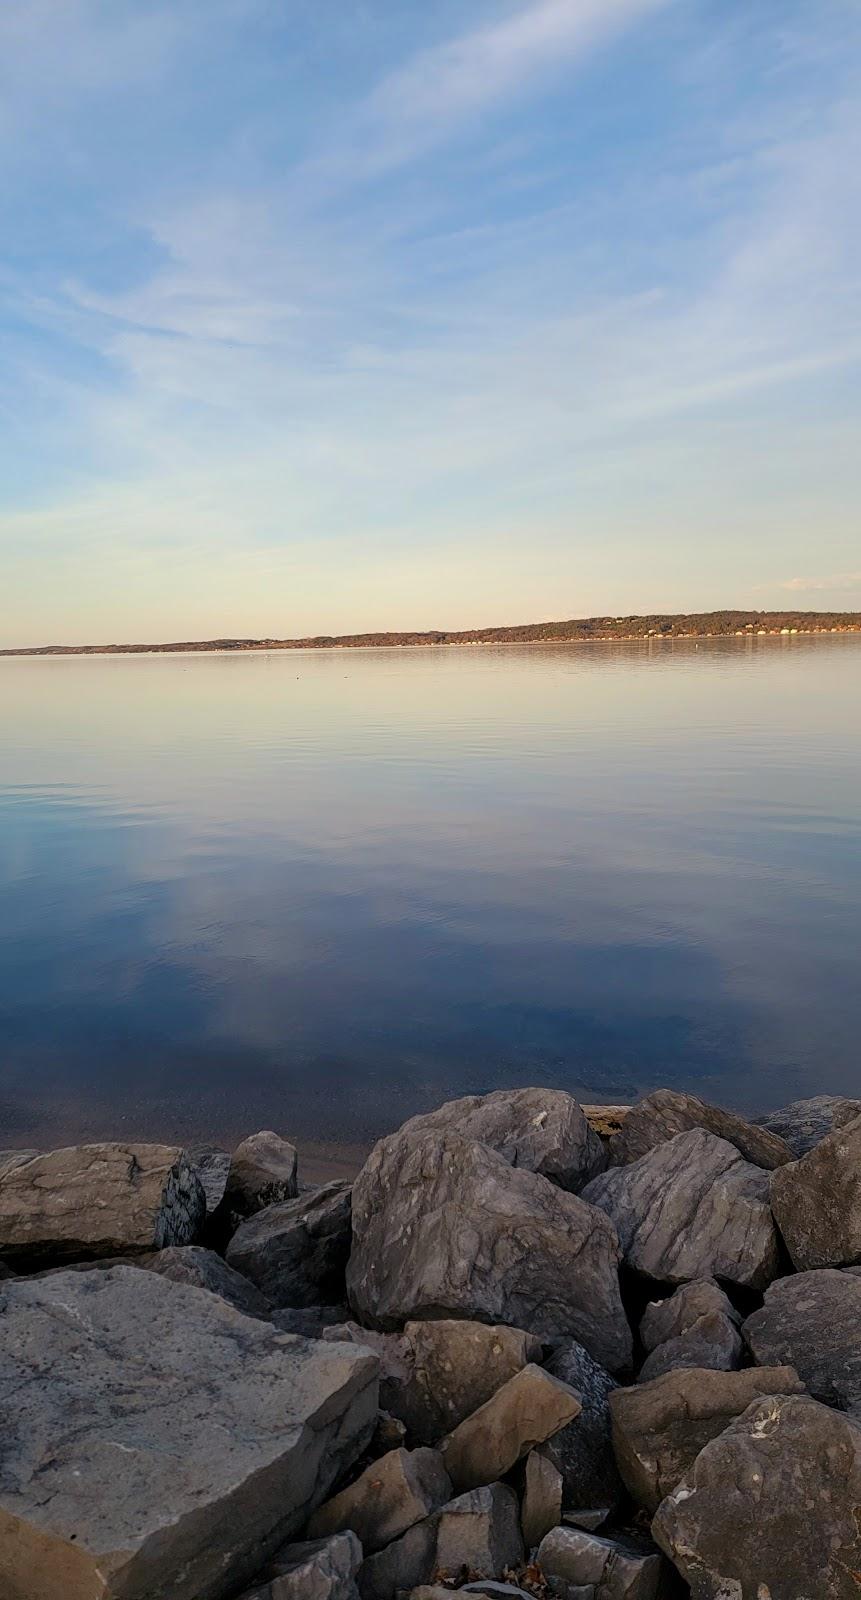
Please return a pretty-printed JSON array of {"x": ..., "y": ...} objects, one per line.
[{"x": 836, "y": 582}]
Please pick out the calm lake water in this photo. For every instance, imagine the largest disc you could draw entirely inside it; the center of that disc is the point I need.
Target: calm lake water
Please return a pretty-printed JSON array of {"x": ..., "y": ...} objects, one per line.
[{"x": 321, "y": 891}]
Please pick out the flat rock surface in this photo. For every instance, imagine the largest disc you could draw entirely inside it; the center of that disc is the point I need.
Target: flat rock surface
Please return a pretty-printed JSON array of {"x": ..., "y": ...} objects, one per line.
[
  {"x": 531, "y": 1407},
  {"x": 156, "y": 1441},
  {"x": 539, "y": 1130},
  {"x": 659, "y": 1428},
  {"x": 769, "y": 1509},
  {"x": 813, "y": 1322},
  {"x": 387, "y": 1498},
  {"x": 296, "y": 1252},
  {"x": 443, "y": 1226},
  {"x": 802, "y": 1124},
  {"x": 99, "y": 1200},
  {"x": 692, "y": 1207},
  {"x": 203, "y": 1269},
  {"x": 817, "y": 1202},
  {"x": 660, "y": 1116}
]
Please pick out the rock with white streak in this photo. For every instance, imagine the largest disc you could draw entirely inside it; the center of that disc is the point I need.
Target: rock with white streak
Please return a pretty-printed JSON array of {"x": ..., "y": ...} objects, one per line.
[
  {"x": 666, "y": 1113},
  {"x": 158, "y": 1442},
  {"x": 530, "y": 1408},
  {"x": 479, "y": 1533},
  {"x": 692, "y": 1208},
  {"x": 98, "y": 1200},
  {"x": 538, "y": 1130},
  {"x": 391, "y": 1495}
]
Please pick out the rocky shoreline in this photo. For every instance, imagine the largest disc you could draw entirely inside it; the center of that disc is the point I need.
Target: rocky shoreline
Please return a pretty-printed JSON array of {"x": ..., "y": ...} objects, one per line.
[{"x": 528, "y": 1352}]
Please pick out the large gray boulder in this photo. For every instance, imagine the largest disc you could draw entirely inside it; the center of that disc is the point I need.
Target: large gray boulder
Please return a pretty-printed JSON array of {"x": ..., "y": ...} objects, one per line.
[
  {"x": 583, "y": 1451},
  {"x": 203, "y": 1269},
  {"x": 692, "y": 1208},
  {"x": 812, "y": 1321},
  {"x": 802, "y": 1124},
  {"x": 478, "y": 1532},
  {"x": 769, "y": 1509},
  {"x": 578, "y": 1564},
  {"x": 712, "y": 1341},
  {"x": 391, "y": 1494},
  {"x": 318, "y": 1569},
  {"x": 673, "y": 1317},
  {"x": 156, "y": 1441},
  {"x": 528, "y": 1409},
  {"x": 666, "y": 1113},
  {"x": 296, "y": 1252},
  {"x": 95, "y": 1200},
  {"x": 659, "y": 1428},
  {"x": 817, "y": 1202},
  {"x": 443, "y": 1226},
  {"x": 539, "y": 1130}
]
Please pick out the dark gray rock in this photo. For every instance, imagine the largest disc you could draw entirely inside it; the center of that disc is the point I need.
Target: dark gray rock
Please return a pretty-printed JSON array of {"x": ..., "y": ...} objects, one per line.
[
  {"x": 692, "y": 1208},
  {"x": 769, "y": 1509},
  {"x": 538, "y": 1130},
  {"x": 659, "y": 1428},
  {"x": 817, "y": 1202},
  {"x": 575, "y": 1562},
  {"x": 212, "y": 1165},
  {"x": 670, "y": 1318},
  {"x": 319, "y": 1569},
  {"x": 311, "y": 1322},
  {"x": 583, "y": 1452},
  {"x": 263, "y": 1172},
  {"x": 98, "y": 1200},
  {"x": 203, "y": 1269},
  {"x": 812, "y": 1321},
  {"x": 392, "y": 1494},
  {"x": 666, "y": 1113},
  {"x": 443, "y": 1226},
  {"x": 530, "y": 1408},
  {"x": 802, "y": 1124},
  {"x": 712, "y": 1341},
  {"x": 479, "y": 1533},
  {"x": 158, "y": 1442},
  {"x": 296, "y": 1252}
]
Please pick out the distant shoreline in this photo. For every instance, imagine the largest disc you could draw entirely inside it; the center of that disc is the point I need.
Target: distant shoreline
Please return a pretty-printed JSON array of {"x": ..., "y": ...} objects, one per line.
[{"x": 584, "y": 630}]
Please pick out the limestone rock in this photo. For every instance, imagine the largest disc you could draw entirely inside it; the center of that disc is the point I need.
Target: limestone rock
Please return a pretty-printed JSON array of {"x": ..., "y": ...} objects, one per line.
[
  {"x": 212, "y": 1165},
  {"x": 659, "y": 1428},
  {"x": 98, "y": 1200},
  {"x": 770, "y": 1507},
  {"x": 391, "y": 1495},
  {"x": 812, "y": 1321},
  {"x": 541, "y": 1503},
  {"x": 263, "y": 1172},
  {"x": 442, "y": 1226},
  {"x": 538, "y": 1130},
  {"x": 575, "y": 1562},
  {"x": 319, "y": 1569},
  {"x": 203, "y": 1269},
  {"x": 458, "y": 1365},
  {"x": 158, "y": 1442},
  {"x": 802, "y": 1124},
  {"x": 529, "y": 1408},
  {"x": 662, "y": 1115},
  {"x": 670, "y": 1318},
  {"x": 583, "y": 1451},
  {"x": 692, "y": 1208},
  {"x": 479, "y": 1532},
  {"x": 296, "y": 1251},
  {"x": 817, "y": 1202},
  {"x": 712, "y": 1341}
]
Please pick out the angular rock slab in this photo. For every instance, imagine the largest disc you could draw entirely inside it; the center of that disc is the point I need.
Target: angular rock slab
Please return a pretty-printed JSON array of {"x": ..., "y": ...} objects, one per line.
[
  {"x": 296, "y": 1252},
  {"x": 156, "y": 1441},
  {"x": 812, "y": 1321},
  {"x": 583, "y": 1451},
  {"x": 817, "y": 1202},
  {"x": 692, "y": 1208},
  {"x": 94, "y": 1200},
  {"x": 478, "y": 1532},
  {"x": 659, "y": 1428},
  {"x": 263, "y": 1171},
  {"x": 203, "y": 1269},
  {"x": 212, "y": 1165},
  {"x": 538, "y": 1130},
  {"x": 712, "y": 1341},
  {"x": 541, "y": 1501},
  {"x": 443, "y": 1226},
  {"x": 770, "y": 1507},
  {"x": 318, "y": 1569},
  {"x": 802, "y": 1124},
  {"x": 458, "y": 1365},
  {"x": 392, "y": 1494},
  {"x": 528, "y": 1409},
  {"x": 662, "y": 1115},
  {"x": 673, "y": 1317},
  {"x": 574, "y": 1562}
]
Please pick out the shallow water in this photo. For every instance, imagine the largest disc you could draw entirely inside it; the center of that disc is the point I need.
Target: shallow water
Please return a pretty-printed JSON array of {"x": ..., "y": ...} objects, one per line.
[{"x": 320, "y": 891}]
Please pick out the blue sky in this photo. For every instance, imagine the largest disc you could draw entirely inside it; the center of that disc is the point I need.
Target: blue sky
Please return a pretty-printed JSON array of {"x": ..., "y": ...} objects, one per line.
[{"x": 333, "y": 314}]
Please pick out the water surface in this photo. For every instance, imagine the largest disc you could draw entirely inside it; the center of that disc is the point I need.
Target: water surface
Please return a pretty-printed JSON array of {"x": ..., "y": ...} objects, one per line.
[{"x": 319, "y": 891}]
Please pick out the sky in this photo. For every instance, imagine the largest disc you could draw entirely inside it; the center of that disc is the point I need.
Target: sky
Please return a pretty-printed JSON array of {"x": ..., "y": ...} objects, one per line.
[{"x": 333, "y": 315}]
